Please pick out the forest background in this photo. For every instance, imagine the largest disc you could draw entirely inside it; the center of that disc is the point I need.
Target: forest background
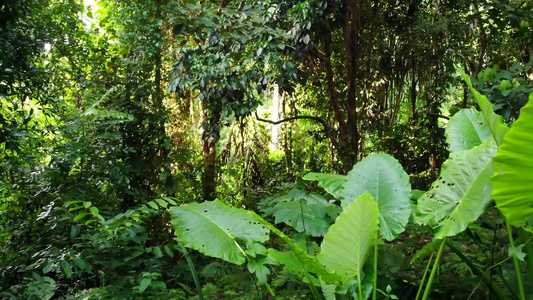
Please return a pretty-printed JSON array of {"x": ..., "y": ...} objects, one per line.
[{"x": 111, "y": 112}]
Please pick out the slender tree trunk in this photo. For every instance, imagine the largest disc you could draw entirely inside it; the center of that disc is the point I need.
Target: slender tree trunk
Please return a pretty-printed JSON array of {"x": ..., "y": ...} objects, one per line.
[
  {"x": 343, "y": 144},
  {"x": 287, "y": 136},
  {"x": 396, "y": 106},
  {"x": 433, "y": 108},
  {"x": 209, "y": 149},
  {"x": 482, "y": 46},
  {"x": 413, "y": 95},
  {"x": 351, "y": 40},
  {"x": 209, "y": 177}
]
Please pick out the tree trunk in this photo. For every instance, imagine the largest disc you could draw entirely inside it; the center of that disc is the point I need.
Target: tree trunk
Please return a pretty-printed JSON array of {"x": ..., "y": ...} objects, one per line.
[
  {"x": 433, "y": 126},
  {"x": 211, "y": 112},
  {"x": 396, "y": 106},
  {"x": 287, "y": 136},
  {"x": 413, "y": 95},
  {"x": 351, "y": 42},
  {"x": 209, "y": 177}
]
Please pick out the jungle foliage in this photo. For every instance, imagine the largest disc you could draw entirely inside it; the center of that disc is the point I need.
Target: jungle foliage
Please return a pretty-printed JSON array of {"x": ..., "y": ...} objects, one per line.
[{"x": 312, "y": 149}]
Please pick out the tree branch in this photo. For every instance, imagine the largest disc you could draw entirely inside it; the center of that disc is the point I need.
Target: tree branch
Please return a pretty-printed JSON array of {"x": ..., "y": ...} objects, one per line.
[
  {"x": 317, "y": 119},
  {"x": 437, "y": 115},
  {"x": 322, "y": 122}
]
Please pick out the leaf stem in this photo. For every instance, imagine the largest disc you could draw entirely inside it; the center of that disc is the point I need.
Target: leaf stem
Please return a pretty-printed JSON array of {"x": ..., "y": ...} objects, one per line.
[
  {"x": 516, "y": 264},
  {"x": 374, "y": 292},
  {"x": 526, "y": 239},
  {"x": 193, "y": 272},
  {"x": 424, "y": 277},
  {"x": 270, "y": 290},
  {"x": 303, "y": 223},
  {"x": 359, "y": 288},
  {"x": 434, "y": 270}
]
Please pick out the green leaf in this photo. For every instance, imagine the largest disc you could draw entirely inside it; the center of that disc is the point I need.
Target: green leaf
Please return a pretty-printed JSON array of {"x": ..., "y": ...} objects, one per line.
[
  {"x": 158, "y": 253},
  {"x": 170, "y": 200},
  {"x": 295, "y": 262},
  {"x": 94, "y": 211},
  {"x": 384, "y": 178},
  {"x": 306, "y": 262},
  {"x": 213, "y": 228},
  {"x": 306, "y": 39},
  {"x": 67, "y": 268},
  {"x": 74, "y": 231},
  {"x": 416, "y": 194},
  {"x": 256, "y": 249},
  {"x": 496, "y": 124},
  {"x": 76, "y": 208},
  {"x": 48, "y": 268},
  {"x": 168, "y": 251},
  {"x": 145, "y": 283},
  {"x": 80, "y": 263},
  {"x": 48, "y": 290},
  {"x": 461, "y": 193},
  {"x": 512, "y": 181},
  {"x": 505, "y": 84},
  {"x": 161, "y": 203},
  {"x": 302, "y": 217},
  {"x": 328, "y": 290},
  {"x": 517, "y": 251},
  {"x": 80, "y": 216},
  {"x": 258, "y": 268},
  {"x": 467, "y": 128},
  {"x": 349, "y": 241},
  {"x": 332, "y": 183},
  {"x": 159, "y": 284},
  {"x": 153, "y": 205}
]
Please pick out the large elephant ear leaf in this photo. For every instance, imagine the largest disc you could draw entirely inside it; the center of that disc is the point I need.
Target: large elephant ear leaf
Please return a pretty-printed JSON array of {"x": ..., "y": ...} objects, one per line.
[
  {"x": 309, "y": 218},
  {"x": 467, "y": 129},
  {"x": 213, "y": 228},
  {"x": 495, "y": 121},
  {"x": 332, "y": 183},
  {"x": 349, "y": 241},
  {"x": 461, "y": 193},
  {"x": 384, "y": 178},
  {"x": 512, "y": 182}
]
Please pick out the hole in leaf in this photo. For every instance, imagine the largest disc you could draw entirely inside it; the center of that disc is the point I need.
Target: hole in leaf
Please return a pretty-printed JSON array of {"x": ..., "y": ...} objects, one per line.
[
  {"x": 205, "y": 210},
  {"x": 187, "y": 229},
  {"x": 228, "y": 229},
  {"x": 203, "y": 246}
]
